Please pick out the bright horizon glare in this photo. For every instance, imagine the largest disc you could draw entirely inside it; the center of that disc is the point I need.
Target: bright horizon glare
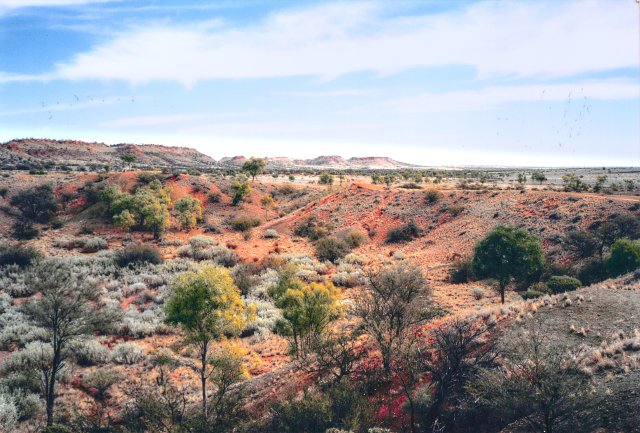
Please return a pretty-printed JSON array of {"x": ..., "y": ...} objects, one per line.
[{"x": 509, "y": 83}]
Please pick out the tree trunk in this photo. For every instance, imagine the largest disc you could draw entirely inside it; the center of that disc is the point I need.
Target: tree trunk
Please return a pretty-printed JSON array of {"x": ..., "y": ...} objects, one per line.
[
  {"x": 503, "y": 287},
  {"x": 203, "y": 380},
  {"x": 51, "y": 386}
]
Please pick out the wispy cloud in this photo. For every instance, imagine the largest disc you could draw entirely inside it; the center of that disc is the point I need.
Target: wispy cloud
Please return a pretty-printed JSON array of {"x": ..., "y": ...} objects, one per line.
[
  {"x": 525, "y": 39},
  {"x": 491, "y": 97},
  {"x": 17, "y": 4},
  {"x": 30, "y": 3},
  {"x": 49, "y": 108},
  {"x": 172, "y": 119},
  {"x": 325, "y": 93}
]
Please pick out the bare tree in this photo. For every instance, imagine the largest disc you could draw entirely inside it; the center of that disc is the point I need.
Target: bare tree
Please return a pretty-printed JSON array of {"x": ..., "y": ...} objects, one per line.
[
  {"x": 397, "y": 300},
  {"x": 161, "y": 407},
  {"x": 337, "y": 353},
  {"x": 67, "y": 309},
  {"x": 458, "y": 351},
  {"x": 538, "y": 381}
]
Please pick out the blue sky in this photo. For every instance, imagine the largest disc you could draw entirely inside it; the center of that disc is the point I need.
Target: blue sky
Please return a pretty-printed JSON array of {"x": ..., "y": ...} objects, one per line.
[{"x": 529, "y": 83}]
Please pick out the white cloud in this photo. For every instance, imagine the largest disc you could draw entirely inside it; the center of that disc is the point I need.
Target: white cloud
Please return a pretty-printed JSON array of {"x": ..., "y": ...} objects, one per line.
[
  {"x": 171, "y": 119},
  {"x": 544, "y": 39},
  {"x": 494, "y": 96},
  {"x": 30, "y": 3},
  {"x": 18, "y": 4},
  {"x": 325, "y": 93}
]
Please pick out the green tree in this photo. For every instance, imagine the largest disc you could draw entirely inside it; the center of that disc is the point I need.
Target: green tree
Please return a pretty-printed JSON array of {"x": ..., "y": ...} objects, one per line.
[
  {"x": 624, "y": 257},
  {"x": 124, "y": 220},
  {"x": 67, "y": 309},
  {"x": 506, "y": 254},
  {"x": 239, "y": 190},
  {"x": 128, "y": 158},
  {"x": 538, "y": 382},
  {"x": 189, "y": 211},
  {"x": 538, "y": 176},
  {"x": 599, "y": 184},
  {"x": 207, "y": 306},
  {"x": 37, "y": 204},
  {"x": 254, "y": 166},
  {"x": 152, "y": 204},
  {"x": 267, "y": 203},
  {"x": 573, "y": 182},
  {"x": 325, "y": 179},
  {"x": 307, "y": 311}
]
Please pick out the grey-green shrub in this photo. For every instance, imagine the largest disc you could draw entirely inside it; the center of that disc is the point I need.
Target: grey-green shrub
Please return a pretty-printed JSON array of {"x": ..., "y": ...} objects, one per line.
[
  {"x": 8, "y": 414},
  {"x": 26, "y": 404},
  {"x": 271, "y": 234},
  {"x": 91, "y": 352},
  {"x": 93, "y": 245},
  {"x": 127, "y": 353}
]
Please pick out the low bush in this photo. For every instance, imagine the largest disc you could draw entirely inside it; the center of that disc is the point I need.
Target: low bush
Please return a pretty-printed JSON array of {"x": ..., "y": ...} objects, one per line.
[
  {"x": 461, "y": 272},
  {"x": 127, "y": 353},
  {"x": 313, "y": 229},
  {"x": 592, "y": 271},
  {"x": 403, "y": 233},
  {"x": 541, "y": 288},
  {"x": 432, "y": 196},
  {"x": 200, "y": 241},
  {"x": 138, "y": 254},
  {"x": 454, "y": 210},
  {"x": 8, "y": 414},
  {"x": 93, "y": 245},
  {"x": 354, "y": 238},
  {"x": 624, "y": 257},
  {"x": 478, "y": 293},
  {"x": 583, "y": 244},
  {"x": 563, "y": 283},
  {"x": 22, "y": 256},
  {"x": 24, "y": 230},
  {"x": 410, "y": 185},
  {"x": 342, "y": 405},
  {"x": 271, "y": 234},
  {"x": 531, "y": 294},
  {"x": 243, "y": 224},
  {"x": 331, "y": 249},
  {"x": 91, "y": 352}
]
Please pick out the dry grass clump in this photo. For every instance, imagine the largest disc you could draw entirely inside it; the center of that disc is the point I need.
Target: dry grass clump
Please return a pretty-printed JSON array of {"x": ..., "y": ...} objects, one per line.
[{"x": 619, "y": 354}]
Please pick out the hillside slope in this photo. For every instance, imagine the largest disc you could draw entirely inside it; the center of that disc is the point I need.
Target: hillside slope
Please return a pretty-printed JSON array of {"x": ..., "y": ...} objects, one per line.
[{"x": 73, "y": 152}]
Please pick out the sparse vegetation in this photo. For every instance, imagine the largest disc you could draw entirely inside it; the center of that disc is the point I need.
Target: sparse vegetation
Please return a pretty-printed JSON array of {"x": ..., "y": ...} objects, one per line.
[
  {"x": 403, "y": 233},
  {"x": 286, "y": 349}
]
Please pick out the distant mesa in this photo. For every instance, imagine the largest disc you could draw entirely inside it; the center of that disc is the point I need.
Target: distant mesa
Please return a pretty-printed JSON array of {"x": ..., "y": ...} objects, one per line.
[
  {"x": 326, "y": 161},
  {"x": 73, "y": 152}
]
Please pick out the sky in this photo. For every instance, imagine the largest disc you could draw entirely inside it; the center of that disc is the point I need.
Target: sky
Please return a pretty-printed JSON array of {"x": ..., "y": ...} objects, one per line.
[{"x": 509, "y": 83}]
